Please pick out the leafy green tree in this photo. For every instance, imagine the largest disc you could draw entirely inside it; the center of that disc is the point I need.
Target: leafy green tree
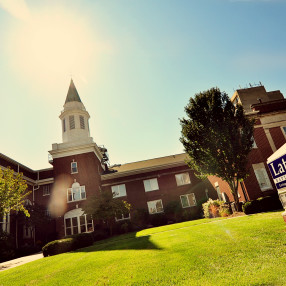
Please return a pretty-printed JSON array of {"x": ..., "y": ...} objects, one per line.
[
  {"x": 104, "y": 207},
  {"x": 13, "y": 191},
  {"x": 217, "y": 137}
]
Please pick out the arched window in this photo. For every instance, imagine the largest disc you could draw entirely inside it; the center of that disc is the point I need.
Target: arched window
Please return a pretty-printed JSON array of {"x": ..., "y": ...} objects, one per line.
[{"x": 77, "y": 222}]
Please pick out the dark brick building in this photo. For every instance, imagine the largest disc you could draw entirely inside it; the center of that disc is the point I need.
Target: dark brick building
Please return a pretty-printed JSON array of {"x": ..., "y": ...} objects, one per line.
[
  {"x": 80, "y": 169},
  {"x": 269, "y": 111}
]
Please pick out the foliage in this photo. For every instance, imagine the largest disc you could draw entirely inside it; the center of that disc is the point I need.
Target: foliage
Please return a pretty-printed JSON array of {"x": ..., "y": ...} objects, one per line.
[
  {"x": 104, "y": 207},
  {"x": 59, "y": 246},
  {"x": 140, "y": 218},
  {"x": 13, "y": 191},
  {"x": 7, "y": 248},
  {"x": 217, "y": 137},
  {"x": 158, "y": 219},
  {"x": 81, "y": 240},
  {"x": 262, "y": 204},
  {"x": 173, "y": 211},
  {"x": 215, "y": 208}
]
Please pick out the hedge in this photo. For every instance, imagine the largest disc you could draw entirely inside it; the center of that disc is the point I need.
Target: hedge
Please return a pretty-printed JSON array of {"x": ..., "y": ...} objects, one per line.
[
  {"x": 262, "y": 204},
  {"x": 70, "y": 243}
]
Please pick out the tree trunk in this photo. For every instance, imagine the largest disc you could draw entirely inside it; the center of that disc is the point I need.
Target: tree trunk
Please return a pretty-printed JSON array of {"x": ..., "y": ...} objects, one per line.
[{"x": 234, "y": 191}]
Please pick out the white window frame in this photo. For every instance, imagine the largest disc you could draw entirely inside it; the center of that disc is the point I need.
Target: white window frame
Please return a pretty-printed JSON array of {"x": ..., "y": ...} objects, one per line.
[
  {"x": 151, "y": 185},
  {"x": 76, "y": 191},
  {"x": 122, "y": 217},
  {"x": 283, "y": 131},
  {"x": 119, "y": 191},
  {"x": 46, "y": 190},
  {"x": 77, "y": 213},
  {"x": 187, "y": 196},
  {"x": 260, "y": 170},
  {"x": 151, "y": 207},
  {"x": 183, "y": 179},
  {"x": 218, "y": 191},
  {"x": 5, "y": 223},
  {"x": 74, "y": 170}
]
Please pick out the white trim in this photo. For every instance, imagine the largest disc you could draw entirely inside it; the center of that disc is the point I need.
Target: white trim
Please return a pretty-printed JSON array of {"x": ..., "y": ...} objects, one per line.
[
  {"x": 157, "y": 212},
  {"x": 148, "y": 184},
  {"x": 119, "y": 190},
  {"x": 187, "y": 196},
  {"x": 180, "y": 179}
]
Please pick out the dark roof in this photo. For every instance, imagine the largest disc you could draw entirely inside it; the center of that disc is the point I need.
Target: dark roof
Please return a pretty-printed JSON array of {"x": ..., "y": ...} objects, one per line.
[{"x": 72, "y": 93}]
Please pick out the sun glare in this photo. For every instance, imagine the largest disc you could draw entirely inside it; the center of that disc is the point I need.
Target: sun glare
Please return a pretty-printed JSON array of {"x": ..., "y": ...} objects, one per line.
[{"x": 52, "y": 44}]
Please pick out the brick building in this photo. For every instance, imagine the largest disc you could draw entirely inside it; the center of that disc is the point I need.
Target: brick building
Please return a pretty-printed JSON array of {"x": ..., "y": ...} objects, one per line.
[
  {"x": 80, "y": 169},
  {"x": 269, "y": 111}
]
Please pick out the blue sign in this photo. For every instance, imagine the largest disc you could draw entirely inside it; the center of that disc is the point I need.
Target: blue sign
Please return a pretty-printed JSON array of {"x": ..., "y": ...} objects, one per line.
[{"x": 278, "y": 171}]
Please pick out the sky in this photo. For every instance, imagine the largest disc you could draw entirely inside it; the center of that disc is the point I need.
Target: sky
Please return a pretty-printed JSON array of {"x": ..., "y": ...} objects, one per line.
[{"x": 135, "y": 64}]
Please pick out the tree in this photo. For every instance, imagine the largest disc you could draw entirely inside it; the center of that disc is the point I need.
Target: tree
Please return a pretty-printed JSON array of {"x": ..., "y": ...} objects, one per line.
[
  {"x": 13, "y": 191},
  {"x": 217, "y": 136},
  {"x": 104, "y": 207}
]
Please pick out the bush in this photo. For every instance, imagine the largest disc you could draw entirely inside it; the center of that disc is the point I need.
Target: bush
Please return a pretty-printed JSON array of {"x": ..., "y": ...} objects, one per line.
[
  {"x": 140, "y": 218},
  {"x": 82, "y": 240},
  {"x": 215, "y": 208},
  {"x": 173, "y": 211},
  {"x": 262, "y": 204},
  {"x": 58, "y": 246},
  {"x": 100, "y": 234},
  {"x": 27, "y": 250},
  {"x": 158, "y": 219},
  {"x": 7, "y": 250}
]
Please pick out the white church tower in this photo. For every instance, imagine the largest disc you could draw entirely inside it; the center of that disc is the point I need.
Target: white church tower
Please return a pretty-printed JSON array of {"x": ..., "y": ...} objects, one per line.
[
  {"x": 74, "y": 118},
  {"x": 75, "y": 129}
]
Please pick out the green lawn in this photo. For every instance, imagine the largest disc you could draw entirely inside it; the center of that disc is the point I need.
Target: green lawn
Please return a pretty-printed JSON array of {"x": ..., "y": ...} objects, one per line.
[{"x": 249, "y": 250}]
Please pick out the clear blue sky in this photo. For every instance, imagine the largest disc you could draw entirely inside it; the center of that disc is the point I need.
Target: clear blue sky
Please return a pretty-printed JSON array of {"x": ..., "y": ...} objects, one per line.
[{"x": 135, "y": 65}]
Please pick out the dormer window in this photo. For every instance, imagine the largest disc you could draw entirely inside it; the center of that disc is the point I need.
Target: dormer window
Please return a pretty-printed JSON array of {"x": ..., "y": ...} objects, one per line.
[
  {"x": 74, "y": 168},
  {"x": 81, "y": 120},
  {"x": 72, "y": 123}
]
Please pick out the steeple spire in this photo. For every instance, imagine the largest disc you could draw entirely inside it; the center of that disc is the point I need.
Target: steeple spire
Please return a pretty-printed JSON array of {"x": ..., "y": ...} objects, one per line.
[{"x": 72, "y": 93}]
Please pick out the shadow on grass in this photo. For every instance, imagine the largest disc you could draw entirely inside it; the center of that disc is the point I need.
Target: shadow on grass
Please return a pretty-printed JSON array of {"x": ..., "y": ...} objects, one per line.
[{"x": 134, "y": 243}]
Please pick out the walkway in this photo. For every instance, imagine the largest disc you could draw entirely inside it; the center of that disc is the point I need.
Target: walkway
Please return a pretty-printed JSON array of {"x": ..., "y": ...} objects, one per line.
[{"x": 19, "y": 261}]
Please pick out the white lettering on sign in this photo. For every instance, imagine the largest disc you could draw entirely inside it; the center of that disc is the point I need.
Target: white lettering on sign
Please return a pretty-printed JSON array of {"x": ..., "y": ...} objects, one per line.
[{"x": 280, "y": 168}]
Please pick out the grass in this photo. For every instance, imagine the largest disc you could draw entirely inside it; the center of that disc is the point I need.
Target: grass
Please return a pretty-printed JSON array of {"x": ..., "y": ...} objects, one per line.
[{"x": 248, "y": 250}]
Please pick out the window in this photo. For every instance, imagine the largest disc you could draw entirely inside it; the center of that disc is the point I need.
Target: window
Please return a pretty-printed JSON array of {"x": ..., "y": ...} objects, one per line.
[
  {"x": 47, "y": 213},
  {"x": 188, "y": 200},
  {"x": 46, "y": 190},
  {"x": 122, "y": 217},
  {"x": 262, "y": 177},
  {"x": 118, "y": 191},
  {"x": 155, "y": 207},
  {"x": 151, "y": 185},
  {"x": 5, "y": 223},
  {"x": 81, "y": 120},
  {"x": 77, "y": 222},
  {"x": 218, "y": 191},
  {"x": 254, "y": 143},
  {"x": 74, "y": 167},
  {"x": 76, "y": 193},
  {"x": 64, "y": 125},
  {"x": 27, "y": 231},
  {"x": 72, "y": 123},
  {"x": 283, "y": 128},
  {"x": 183, "y": 179}
]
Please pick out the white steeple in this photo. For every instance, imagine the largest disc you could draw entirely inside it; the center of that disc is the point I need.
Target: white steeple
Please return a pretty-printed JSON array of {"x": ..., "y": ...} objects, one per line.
[{"x": 74, "y": 118}]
